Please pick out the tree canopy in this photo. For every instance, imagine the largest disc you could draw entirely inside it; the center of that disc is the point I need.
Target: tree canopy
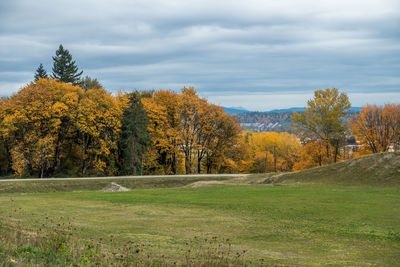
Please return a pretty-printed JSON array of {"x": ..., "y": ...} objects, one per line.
[
  {"x": 377, "y": 127},
  {"x": 323, "y": 118}
]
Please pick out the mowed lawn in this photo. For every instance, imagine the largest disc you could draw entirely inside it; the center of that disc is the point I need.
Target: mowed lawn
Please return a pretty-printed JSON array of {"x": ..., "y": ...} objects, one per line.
[{"x": 300, "y": 224}]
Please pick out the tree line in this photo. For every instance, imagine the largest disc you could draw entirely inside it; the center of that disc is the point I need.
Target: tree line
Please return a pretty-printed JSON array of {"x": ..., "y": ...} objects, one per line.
[
  {"x": 63, "y": 125},
  {"x": 51, "y": 128}
]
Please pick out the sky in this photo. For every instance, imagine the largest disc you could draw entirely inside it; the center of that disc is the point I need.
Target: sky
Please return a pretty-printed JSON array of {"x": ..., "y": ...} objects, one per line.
[{"x": 255, "y": 54}]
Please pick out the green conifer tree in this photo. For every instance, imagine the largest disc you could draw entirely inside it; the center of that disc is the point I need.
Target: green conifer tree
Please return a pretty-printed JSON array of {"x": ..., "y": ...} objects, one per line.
[
  {"x": 64, "y": 68},
  {"x": 135, "y": 139},
  {"x": 40, "y": 73}
]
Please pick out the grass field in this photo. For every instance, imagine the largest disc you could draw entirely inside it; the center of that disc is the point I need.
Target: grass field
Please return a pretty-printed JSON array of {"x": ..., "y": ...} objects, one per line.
[
  {"x": 297, "y": 222},
  {"x": 284, "y": 225}
]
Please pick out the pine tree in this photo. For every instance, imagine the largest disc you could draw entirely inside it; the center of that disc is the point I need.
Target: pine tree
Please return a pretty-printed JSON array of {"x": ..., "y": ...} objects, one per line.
[
  {"x": 64, "y": 68},
  {"x": 40, "y": 73},
  {"x": 134, "y": 137}
]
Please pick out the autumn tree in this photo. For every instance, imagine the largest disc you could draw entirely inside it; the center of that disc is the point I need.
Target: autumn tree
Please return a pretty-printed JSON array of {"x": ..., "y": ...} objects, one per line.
[
  {"x": 64, "y": 68},
  {"x": 99, "y": 125},
  {"x": 377, "y": 127},
  {"x": 164, "y": 128},
  {"x": 206, "y": 133},
  {"x": 270, "y": 151},
  {"x": 35, "y": 126},
  {"x": 189, "y": 111},
  {"x": 393, "y": 112},
  {"x": 209, "y": 120},
  {"x": 220, "y": 152},
  {"x": 188, "y": 134},
  {"x": 40, "y": 73},
  {"x": 312, "y": 155},
  {"x": 323, "y": 118}
]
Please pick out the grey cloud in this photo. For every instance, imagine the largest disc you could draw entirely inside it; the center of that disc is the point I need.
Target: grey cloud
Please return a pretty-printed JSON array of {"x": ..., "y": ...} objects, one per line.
[{"x": 219, "y": 46}]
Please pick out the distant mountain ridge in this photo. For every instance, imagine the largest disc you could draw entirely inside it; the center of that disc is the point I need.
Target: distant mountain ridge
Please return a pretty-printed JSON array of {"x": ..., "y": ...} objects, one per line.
[{"x": 235, "y": 110}]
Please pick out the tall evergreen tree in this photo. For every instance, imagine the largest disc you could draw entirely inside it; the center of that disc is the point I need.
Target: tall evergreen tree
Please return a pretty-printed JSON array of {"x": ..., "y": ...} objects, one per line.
[
  {"x": 64, "y": 68},
  {"x": 135, "y": 139},
  {"x": 40, "y": 73}
]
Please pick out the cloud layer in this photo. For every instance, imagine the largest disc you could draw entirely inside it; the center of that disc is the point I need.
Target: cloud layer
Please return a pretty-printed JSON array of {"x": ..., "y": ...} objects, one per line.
[{"x": 222, "y": 48}]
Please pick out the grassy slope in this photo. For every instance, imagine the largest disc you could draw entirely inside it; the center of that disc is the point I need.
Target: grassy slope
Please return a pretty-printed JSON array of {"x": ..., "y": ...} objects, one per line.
[
  {"x": 383, "y": 168},
  {"x": 291, "y": 225},
  {"x": 93, "y": 185}
]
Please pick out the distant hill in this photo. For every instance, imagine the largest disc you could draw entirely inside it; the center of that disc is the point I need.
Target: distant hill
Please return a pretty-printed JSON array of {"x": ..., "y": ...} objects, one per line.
[
  {"x": 232, "y": 110},
  {"x": 382, "y": 168}
]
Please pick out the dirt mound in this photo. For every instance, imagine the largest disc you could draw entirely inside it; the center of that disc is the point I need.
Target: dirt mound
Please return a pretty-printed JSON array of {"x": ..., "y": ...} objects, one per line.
[
  {"x": 204, "y": 183},
  {"x": 114, "y": 187}
]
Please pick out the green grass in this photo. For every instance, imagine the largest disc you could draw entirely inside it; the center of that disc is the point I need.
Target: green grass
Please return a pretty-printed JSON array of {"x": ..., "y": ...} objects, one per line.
[
  {"x": 98, "y": 184},
  {"x": 285, "y": 225}
]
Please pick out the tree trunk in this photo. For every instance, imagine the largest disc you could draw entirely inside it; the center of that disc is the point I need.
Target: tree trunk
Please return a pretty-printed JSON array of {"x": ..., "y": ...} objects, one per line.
[
  {"x": 173, "y": 164},
  {"x": 198, "y": 162},
  {"x": 208, "y": 164},
  {"x": 336, "y": 150},
  {"x": 188, "y": 166},
  {"x": 327, "y": 153},
  {"x": 84, "y": 167},
  {"x": 266, "y": 162},
  {"x": 274, "y": 158}
]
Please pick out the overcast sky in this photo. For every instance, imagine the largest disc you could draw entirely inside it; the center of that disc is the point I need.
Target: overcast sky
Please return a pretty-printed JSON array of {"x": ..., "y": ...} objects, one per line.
[{"x": 256, "y": 54}]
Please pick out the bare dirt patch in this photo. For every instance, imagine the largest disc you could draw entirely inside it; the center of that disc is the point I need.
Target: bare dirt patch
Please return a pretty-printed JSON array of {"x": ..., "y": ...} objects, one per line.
[
  {"x": 205, "y": 183},
  {"x": 114, "y": 187}
]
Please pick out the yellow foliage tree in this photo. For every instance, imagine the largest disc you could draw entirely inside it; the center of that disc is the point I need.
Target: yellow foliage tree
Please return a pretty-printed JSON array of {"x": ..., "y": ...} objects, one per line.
[
  {"x": 37, "y": 122},
  {"x": 269, "y": 151},
  {"x": 98, "y": 123},
  {"x": 163, "y": 128}
]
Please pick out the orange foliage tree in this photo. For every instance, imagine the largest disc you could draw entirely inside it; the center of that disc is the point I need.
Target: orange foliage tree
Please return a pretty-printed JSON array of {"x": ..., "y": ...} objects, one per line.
[
  {"x": 312, "y": 155},
  {"x": 188, "y": 134},
  {"x": 377, "y": 127}
]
